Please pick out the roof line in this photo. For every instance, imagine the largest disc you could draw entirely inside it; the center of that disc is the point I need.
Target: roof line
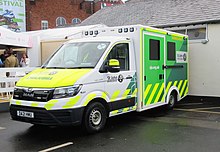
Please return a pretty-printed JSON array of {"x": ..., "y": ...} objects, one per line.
[{"x": 187, "y": 23}]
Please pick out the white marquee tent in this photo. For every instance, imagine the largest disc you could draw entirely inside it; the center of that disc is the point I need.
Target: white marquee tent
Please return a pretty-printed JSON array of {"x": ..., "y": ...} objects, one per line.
[
  {"x": 13, "y": 39},
  {"x": 52, "y": 38}
]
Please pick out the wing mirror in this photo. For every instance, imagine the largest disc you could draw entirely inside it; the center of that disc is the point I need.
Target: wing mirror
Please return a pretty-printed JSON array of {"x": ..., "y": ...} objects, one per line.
[{"x": 113, "y": 66}]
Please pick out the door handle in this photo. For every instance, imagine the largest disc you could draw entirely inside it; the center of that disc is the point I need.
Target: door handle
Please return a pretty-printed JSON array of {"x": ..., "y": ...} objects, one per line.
[{"x": 129, "y": 77}]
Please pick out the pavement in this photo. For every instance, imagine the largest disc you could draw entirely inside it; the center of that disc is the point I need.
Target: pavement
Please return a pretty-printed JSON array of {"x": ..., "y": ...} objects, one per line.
[
  {"x": 4, "y": 105},
  {"x": 193, "y": 125}
]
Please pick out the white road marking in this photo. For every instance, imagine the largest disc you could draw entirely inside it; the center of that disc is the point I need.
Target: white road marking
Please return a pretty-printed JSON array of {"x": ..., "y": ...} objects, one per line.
[
  {"x": 57, "y": 147},
  {"x": 2, "y": 128}
]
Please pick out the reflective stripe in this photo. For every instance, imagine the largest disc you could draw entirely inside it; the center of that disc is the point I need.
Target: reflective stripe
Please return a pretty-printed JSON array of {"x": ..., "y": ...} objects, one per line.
[
  {"x": 180, "y": 83},
  {"x": 156, "y": 31},
  {"x": 115, "y": 95},
  {"x": 134, "y": 93},
  {"x": 147, "y": 91},
  {"x": 175, "y": 83},
  {"x": 34, "y": 104},
  {"x": 114, "y": 112},
  {"x": 18, "y": 102},
  {"x": 153, "y": 93},
  {"x": 104, "y": 96},
  {"x": 183, "y": 88},
  {"x": 168, "y": 86},
  {"x": 159, "y": 93},
  {"x": 126, "y": 109},
  {"x": 126, "y": 93},
  {"x": 177, "y": 38},
  {"x": 71, "y": 102},
  {"x": 89, "y": 98},
  {"x": 49, "y": 105},
  {"x": 141, "y": 82},
  {"x": 167, "y": 89},
  {"x": 134, "y": 107},
  {"x": 186, "y": 92}
]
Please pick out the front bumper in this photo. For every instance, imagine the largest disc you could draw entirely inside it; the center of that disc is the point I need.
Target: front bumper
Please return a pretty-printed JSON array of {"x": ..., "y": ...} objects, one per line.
[{"x": 48, "y": 117}]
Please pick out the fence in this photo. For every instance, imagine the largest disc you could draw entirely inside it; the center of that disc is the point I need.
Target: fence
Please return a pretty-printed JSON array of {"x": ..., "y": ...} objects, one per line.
[{"x": 7, "y": 83}]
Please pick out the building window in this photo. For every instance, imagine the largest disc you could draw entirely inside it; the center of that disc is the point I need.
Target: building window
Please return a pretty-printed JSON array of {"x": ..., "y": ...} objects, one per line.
[
  {"x": 171, "y": 51},
  {"x": 60, "y": 21},
  {"x": 197, "y": 32},
  {"x": 44, "y": 24},
  {"x": 76, "y": 21},
  {"x": 154, "y": 49}
]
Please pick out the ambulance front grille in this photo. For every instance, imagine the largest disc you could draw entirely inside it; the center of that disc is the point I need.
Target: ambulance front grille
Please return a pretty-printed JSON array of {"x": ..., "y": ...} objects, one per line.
[{"x": 31, "y": 94}]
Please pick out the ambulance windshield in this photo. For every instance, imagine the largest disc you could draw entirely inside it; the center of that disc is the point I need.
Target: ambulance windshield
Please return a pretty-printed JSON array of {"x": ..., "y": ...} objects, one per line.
[{"x": 77, "y": 55}]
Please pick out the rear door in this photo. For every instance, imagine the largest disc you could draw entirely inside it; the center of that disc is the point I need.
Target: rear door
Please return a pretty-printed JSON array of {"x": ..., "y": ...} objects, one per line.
[{"x": 153, "y": 88}]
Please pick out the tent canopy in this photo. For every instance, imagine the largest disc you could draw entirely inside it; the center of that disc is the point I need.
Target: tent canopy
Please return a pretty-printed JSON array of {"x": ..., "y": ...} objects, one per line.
[
  {"x": 61, "y": 33},
  {"x": 13, "y": 39}
]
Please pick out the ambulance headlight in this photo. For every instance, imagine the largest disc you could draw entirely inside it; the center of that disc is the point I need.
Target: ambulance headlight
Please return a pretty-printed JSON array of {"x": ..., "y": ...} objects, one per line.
[{"x": 66, "y": 91}]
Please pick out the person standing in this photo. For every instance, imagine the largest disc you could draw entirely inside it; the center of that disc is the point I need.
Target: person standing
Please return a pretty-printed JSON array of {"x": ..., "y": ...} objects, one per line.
[
  {"x": 1, "y": 63},
  {"x": 25, "y": 61},
  {"x": 3, "y": 57},
  {"x": 11, "y": 60}
]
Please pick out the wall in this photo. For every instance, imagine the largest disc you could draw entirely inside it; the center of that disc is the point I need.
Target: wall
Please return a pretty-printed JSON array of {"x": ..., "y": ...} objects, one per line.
[
  {"x": 51, "y": 9},
  {"x": 205, "y": 65}
]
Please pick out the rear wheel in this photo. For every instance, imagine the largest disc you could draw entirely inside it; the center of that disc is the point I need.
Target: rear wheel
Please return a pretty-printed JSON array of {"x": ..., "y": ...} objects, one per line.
[
  {"x": 95, "y": 117},
  {"x": 172, "y": 100}
]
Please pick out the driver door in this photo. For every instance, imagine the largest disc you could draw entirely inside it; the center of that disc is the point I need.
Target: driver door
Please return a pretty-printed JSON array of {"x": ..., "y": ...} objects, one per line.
[{"x": 119, "y": 86}]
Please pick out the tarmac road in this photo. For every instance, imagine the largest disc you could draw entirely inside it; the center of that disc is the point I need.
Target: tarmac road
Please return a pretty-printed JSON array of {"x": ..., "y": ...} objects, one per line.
[{"x": 190, "y": 127}]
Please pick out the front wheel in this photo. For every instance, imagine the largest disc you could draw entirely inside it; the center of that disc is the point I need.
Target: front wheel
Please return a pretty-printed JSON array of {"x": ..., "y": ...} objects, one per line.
[{"x": 95, "y": 117}]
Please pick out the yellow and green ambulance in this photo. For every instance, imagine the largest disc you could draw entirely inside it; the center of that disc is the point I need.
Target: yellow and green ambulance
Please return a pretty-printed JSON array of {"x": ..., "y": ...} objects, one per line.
[{"x": 107, "y": 72}]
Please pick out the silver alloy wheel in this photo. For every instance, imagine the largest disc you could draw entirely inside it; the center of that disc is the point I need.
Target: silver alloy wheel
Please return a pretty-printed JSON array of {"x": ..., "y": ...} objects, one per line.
[{"x": 95, "y": 117}]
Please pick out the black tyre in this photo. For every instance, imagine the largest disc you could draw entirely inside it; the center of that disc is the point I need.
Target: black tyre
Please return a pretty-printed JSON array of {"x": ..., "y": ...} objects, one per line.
[
  {"x": 94, "y": 117},
  {"x": 172, "y": 101}
]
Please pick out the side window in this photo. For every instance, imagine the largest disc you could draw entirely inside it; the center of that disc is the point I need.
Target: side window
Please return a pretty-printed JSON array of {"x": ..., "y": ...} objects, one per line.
[
  {"x": 171, "y": 51},
  {"x": 154, "y": 49},
  {"x": 121, "y": 53}
]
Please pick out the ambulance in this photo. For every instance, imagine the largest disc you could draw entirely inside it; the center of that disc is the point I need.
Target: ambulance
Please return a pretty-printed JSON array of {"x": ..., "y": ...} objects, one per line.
[{"x": 108, "y": 72}]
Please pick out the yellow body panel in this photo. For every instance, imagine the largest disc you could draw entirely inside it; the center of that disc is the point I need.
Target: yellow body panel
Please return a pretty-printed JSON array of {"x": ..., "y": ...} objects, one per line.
[{"x": 51, "y": 78}]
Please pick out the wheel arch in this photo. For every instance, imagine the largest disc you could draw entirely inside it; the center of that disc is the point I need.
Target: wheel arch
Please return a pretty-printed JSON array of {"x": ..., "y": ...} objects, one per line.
[
  {"x": 102, "y": 101},
  {"x": 175, "y": 90}
]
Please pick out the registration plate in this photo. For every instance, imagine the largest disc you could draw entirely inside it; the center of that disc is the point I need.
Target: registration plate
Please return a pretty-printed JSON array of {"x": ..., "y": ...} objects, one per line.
[{"x": 25, "y": 114}]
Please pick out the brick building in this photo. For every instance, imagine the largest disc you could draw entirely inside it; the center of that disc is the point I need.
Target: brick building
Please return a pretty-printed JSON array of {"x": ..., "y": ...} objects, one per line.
[{"x": 43, "y": 14}]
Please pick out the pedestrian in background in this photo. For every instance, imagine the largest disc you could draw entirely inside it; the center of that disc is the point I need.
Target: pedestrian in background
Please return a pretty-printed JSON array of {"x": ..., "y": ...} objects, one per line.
[
  {"x": 3, "y": 57},
  {"x": 1, "y": 63},
  {"x": 25, "y": 61},
  {"x": 11, "y": 60}
]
